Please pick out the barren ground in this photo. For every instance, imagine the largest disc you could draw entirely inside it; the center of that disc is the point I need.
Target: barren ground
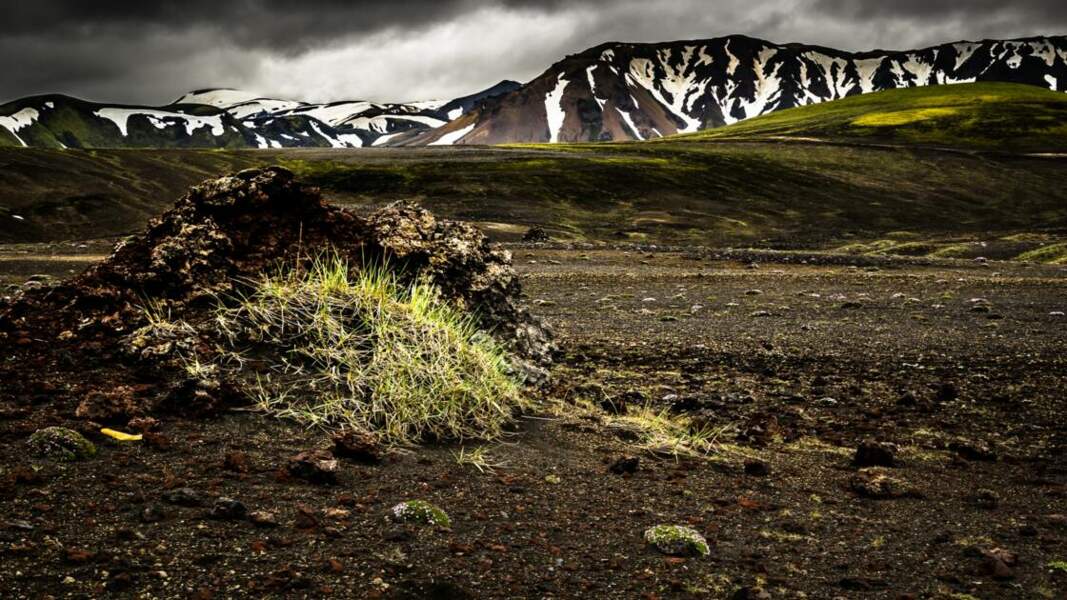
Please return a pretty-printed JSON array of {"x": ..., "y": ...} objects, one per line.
[{"x": 794, "y": 363}]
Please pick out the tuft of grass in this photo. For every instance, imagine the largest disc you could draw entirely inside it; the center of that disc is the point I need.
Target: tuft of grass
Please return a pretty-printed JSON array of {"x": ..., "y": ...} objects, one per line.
[
  {"x": 479, "y": 458},
  {"x": 331, "y": 344},
  {"x": 664, "y": 433}
]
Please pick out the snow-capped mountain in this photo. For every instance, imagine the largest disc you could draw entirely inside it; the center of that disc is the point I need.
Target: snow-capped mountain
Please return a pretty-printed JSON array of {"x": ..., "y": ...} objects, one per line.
[
  {"x": 615, "y": 91},
  {"x": 224, "y": 118},
  {"x": 620, "y": 91}
]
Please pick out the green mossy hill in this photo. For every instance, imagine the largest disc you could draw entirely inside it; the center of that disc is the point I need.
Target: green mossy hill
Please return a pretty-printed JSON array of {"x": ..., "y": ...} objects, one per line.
[{"x": 989, "y": 116}]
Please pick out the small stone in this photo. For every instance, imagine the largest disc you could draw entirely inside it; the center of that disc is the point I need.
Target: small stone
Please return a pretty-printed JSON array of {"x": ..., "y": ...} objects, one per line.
[
  {"x": 677, "y": 540},
  {"x": 263, "y": 518},
  {"x": 421, "y": 512},
  {"x": 536, "y": 235},
  {"x": 305, "y": 518},
  {"x": 947, "y": 392},
  {"x": 236, "y": 462},
  {"x": 987, "y": 499},
  {"x": 751, "y": 593},
  {"x": 60, "y": 443},
  {"x": 314, "y": 466},
  {"x": 999, "y": 563},
  {"x": 20, "y": 525},
  {"x": 625, "y": 465},
  {"x": 360, "y": 446},
  {"x": 877, "y": 485},
  {"x": 183, "y": 497},
  {"x": 757, "y": 468},
  {"x": 153, "y": 513},
  {"x": 973, "y": 451},
  {"x": 874, "y": 454},
  {"x": 228, "y": 509}
]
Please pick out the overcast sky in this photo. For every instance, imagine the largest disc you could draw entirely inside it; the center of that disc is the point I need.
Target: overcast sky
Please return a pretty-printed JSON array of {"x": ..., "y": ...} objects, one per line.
[{"x": 321, "y": 50}]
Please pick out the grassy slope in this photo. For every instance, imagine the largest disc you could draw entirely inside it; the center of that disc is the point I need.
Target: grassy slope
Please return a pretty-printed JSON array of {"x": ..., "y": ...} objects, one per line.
[
  {"x": 97, "y": 193},
  {"x": 1000, "y": 116},
  {"x": 714, "y": 188}
]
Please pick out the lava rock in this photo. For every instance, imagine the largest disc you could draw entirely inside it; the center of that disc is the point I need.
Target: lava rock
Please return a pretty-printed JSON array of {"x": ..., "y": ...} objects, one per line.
[
  {"x": 947, "y": 392},
  {"x": 536, "y": 235},
  {"x": 757, "y": 468},
  {"x": 751, "y": 593},
  {"x": 60, "y": 443},
  {"x": 973, "y": 451},
  {"x": 314, "y": 466},
  {"x": 153, "y": 513},
  {"x": 874, "y": 454},
  {"x": 875, "y": 484},
  {"x": 228, "y": 509},
  {"x": 626, "y": 465},
  {"x": 986, "y": 498},
  {"x": 263, "y": 518},
  {"x": 360, "y": 446},
  {"x": 183, "y": 497}
]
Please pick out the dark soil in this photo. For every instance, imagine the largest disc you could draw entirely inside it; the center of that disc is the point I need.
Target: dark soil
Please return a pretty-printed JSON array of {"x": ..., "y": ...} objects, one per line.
[{"x": 968, "y": 401}]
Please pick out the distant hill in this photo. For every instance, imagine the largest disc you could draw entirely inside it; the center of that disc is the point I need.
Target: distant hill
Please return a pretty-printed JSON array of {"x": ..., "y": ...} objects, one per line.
[
  {"x": 224, "y": 118},
  {"x": 989, "y": 116}
]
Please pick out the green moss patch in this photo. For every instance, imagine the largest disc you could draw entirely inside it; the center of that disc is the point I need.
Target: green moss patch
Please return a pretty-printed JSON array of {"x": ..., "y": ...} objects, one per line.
[
  {"x": 677, "y": 540},
  {"x": 60, "y": 443},
  {"x": 420, "y": 512}
]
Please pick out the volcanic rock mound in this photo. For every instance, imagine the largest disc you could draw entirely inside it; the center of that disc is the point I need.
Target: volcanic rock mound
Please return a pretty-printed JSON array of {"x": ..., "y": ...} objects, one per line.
[{"x": 226, "y": 232}]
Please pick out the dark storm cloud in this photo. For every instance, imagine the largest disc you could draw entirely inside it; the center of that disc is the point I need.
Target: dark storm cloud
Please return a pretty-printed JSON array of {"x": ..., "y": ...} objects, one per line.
[
  {"x": 978, "y": 10},
  {"x": 406, "y": 49}
]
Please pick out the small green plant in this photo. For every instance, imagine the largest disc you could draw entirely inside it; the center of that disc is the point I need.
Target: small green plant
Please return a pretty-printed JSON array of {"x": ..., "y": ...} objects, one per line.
[
  {"x": 1059, "y": 566},
  {"x": 422, "y": 512},
  {"x": 335, "y": 345}
]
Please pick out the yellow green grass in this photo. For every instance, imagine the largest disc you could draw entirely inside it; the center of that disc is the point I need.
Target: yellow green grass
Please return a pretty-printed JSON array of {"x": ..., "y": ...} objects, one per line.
[
  {"x": 338, "y": 345},
  {"x": 1001, "y": 116}
]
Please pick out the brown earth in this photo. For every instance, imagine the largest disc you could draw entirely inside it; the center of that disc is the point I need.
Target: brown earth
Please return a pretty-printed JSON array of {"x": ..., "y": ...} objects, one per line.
[{"x": 794, "y": 364}]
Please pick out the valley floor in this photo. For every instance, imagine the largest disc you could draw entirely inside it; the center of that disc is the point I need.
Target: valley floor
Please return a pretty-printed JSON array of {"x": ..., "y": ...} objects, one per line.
[{"x": 793, "y": 360}]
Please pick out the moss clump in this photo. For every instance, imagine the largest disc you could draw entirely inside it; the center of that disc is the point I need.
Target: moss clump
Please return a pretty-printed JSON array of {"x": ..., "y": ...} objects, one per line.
[
  {"x": 422, "y": 512},
  {"x": 677, "y": 540},
  {"x": 60, "y": 443},
  {"x": 1059, "y": 566}
]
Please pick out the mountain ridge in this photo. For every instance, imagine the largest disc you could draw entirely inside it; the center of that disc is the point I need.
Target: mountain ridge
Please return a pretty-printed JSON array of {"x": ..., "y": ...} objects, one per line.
[
  {"x": 619, "y": 91},
  {"x": 614, "y": 91}
]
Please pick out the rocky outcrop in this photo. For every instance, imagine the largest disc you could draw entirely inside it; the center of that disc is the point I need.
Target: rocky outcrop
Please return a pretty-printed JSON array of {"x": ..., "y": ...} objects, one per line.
[{"x": 225, "y": 232}]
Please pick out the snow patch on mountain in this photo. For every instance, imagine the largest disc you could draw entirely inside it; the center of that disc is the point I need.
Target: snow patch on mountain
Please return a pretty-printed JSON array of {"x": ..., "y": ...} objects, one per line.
[
  {"x": 161, "y": 119},
  {"x": 452, "y": 137},
  {"x": 554, "y": 109},
  {"x": 23, "y": 118},
  {"x": 221, "y": 98},
  {"x": 630, "y": 123}
]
